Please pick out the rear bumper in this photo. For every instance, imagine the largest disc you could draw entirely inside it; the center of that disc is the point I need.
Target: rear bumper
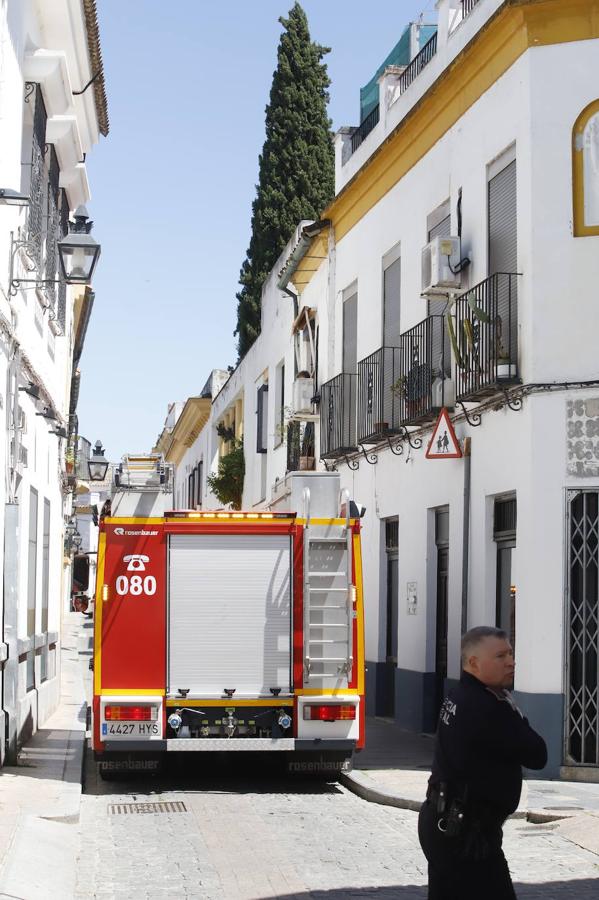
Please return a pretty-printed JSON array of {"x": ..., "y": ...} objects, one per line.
[{"x": 227, "y": 745}]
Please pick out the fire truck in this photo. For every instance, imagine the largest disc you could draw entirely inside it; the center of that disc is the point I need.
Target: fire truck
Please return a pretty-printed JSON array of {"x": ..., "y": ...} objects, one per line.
[{"x": 226, "y": 630}]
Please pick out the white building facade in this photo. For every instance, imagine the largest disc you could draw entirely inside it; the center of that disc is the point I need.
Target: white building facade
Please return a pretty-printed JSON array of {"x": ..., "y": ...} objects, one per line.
[
  {"x": 50, "y": 117},
  {"x": 490, "y": 138}
]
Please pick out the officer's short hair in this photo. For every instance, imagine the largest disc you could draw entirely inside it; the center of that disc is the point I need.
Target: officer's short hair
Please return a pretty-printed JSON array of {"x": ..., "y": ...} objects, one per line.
[{"x": 472, "y": 638}]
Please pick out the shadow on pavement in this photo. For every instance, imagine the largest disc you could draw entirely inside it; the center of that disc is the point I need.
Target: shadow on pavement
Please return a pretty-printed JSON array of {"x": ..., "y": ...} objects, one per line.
[
  {"x": 211, "y": 774},
  {"x": 582, "y": 889}
]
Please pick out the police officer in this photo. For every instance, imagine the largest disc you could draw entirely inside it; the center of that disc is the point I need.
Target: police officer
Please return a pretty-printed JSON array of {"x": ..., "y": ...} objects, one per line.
[{"x": 482, "y": 742}]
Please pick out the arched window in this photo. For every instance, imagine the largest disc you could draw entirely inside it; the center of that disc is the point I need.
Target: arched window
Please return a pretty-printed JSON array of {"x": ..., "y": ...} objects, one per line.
[{"x": 585, "y": 160}]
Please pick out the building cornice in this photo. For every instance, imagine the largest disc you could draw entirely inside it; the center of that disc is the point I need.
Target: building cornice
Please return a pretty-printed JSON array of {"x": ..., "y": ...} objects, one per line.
[
  {"x": 95, "y": 56},
  {"x": 194, "y": 416}
]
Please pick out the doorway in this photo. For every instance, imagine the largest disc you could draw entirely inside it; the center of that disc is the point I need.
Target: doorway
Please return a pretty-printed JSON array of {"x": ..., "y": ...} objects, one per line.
[
  {"x": 442, "y": 605},
  {"x": 504, "y": 535},
  {"x": 391, "y": 619}
]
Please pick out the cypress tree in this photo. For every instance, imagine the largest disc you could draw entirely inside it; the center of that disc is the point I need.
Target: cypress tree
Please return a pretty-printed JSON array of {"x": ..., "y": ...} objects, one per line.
[{"x": 296, "y": 174}]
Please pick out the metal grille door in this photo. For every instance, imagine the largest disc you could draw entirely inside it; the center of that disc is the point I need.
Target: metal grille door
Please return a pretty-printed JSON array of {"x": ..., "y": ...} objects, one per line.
[{"x": 582, "y": 723}]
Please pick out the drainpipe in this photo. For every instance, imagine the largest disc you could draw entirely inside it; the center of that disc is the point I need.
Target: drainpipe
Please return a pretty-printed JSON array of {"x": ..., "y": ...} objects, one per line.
[{"x": 465, "y": 534}]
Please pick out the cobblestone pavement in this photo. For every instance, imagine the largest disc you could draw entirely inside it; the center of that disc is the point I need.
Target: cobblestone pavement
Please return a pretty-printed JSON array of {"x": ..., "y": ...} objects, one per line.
[{"x": 255, "y": 834}]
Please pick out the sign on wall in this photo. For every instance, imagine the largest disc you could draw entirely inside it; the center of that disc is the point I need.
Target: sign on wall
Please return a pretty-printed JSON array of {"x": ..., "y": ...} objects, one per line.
[{"x": 443, "y": 443}]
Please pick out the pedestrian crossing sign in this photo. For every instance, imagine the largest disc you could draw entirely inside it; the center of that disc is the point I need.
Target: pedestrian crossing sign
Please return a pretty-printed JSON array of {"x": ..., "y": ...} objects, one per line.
[{"x": 443, "y": 443}]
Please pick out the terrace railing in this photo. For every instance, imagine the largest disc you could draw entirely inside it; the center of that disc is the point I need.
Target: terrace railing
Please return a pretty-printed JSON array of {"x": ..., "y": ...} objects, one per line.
[
  {"x": 418, "y": 63},
  {"x": 487, "y": 337},
  {"x": 424, "y": 371},
  {"x": 338, "y": 416},
  {"x": 378, "y": 404}
]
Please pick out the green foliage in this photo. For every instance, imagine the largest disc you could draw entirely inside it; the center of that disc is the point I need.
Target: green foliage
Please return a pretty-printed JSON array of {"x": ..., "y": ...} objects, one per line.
[
  {"x": 227, "y": 484},
  {"x": 296, "y": 176}
]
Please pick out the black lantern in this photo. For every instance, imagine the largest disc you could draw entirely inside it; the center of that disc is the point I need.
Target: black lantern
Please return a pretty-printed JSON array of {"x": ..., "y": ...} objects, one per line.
[
  {"x": 97, "y": 464},
  {"x": 78, "y": 251},
  {"x": 76, "y": 540}
]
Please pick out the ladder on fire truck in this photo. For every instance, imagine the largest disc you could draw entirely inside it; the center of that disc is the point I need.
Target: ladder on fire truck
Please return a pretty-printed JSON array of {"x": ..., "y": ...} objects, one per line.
[{"x": 329, "y": 596}]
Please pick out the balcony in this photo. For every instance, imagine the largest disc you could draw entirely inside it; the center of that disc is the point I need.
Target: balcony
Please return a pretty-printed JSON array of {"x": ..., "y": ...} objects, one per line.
[
  {"x": 468, "y": 6},
  {"x": 300, "y": 447},
  {"x": 338, "y": 416},
  {"x": 424, "y": 385},
  {"x": 487, "y": 337},
  {"x": 378, "y": 403}
]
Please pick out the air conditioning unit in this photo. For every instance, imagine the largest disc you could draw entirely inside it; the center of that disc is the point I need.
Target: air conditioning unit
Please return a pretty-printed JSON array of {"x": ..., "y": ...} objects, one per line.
[
  {"x": 303, "y": 391},
  {"x": 438, "y": 259}
]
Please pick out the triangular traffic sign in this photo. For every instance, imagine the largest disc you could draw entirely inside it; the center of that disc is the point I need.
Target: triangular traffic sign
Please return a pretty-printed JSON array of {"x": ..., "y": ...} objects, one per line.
[{"x": 443, "y": 444}]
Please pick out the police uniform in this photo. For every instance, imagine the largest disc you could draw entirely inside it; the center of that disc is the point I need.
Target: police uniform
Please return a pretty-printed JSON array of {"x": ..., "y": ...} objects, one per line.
[{"x": 482, "y": 742}]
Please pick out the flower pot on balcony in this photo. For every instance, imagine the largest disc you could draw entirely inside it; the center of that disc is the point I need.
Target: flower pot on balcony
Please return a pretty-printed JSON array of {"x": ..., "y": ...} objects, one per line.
[{"x": 505, "y": 370}]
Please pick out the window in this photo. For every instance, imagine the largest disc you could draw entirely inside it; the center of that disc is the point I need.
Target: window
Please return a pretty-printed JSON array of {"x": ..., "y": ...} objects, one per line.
[
  {"x": 391, "y": 298},
  {"x": 199, "y": 482},
  {"x": 585, "y": 171},
  {"x": 45, "y": 565},
  {"x": 191, "y": 490},
  {"x": 504, "y": 535},
  {"x": 280, "y": 404},
  {"x": 262, "y": 419},
  {"x": 502, "y": 214},
  {"x": 350, "y": 332},
  {"x": 32, "y": 584}
]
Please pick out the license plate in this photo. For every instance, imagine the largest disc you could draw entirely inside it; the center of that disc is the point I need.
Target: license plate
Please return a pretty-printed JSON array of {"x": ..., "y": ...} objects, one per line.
[{"x": 123, "y": 730}]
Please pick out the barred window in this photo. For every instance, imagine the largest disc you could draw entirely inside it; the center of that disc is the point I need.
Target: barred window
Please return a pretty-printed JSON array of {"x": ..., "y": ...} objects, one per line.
[
  {"x": 61, "y": 313},
  {"x": 52, "y": 224},
  {"x": 37, "y": 177}
]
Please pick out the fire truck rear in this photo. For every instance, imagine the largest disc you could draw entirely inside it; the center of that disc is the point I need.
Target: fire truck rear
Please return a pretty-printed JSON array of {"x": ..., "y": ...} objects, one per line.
[{"x": 227, "y": 631}]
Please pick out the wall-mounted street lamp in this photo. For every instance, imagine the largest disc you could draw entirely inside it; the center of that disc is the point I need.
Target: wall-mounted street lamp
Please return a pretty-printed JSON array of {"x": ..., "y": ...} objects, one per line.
[
  {"x": 59, "y": 431},
  {"x": 48, "y": 413},
  {"x": 8, "y": 197},
  {"x": 78, "y": 254},
  {"x": 78, "y": 251},
  {"x": 97, "y": 464},
  {"x": 76, "y": 540}
]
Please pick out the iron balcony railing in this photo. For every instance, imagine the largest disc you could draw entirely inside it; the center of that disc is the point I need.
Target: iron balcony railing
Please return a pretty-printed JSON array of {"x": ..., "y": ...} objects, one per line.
[
  {"x": 468, "y": 6},
  {"x": 487, "y": 337},
  {"x": 300, "y": 446},
  {"x": 378, "y": 403},
  {"x": 338, "y": 416},
  {"x": 364, "y": 128},
  {"x": 418, "y": 63},
  {"x": 424, "y": 371}
]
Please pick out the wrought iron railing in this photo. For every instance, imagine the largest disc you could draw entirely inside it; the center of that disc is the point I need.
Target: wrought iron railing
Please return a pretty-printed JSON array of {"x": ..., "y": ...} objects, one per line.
[
  {"x": 300, "y": 446},
  {"x": 468, "y": 6},
  {"x": 378, "y": 403},
  {"x": 338, "y": 416},
  {"x": 61, "y": 312},
  {"x": 424, "y": 372},
  {"x": 418, "y": 64},
  {"x": 364, "y": 128},
  {"x": 487, "y": 337}
]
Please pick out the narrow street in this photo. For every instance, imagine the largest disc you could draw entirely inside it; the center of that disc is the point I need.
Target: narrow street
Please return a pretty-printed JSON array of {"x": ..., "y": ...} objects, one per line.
[{"x": 242, "y": 832}]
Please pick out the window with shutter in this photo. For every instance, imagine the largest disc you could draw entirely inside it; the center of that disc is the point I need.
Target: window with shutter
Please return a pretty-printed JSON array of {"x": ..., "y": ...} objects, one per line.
[{"x": 262, "y": 419}]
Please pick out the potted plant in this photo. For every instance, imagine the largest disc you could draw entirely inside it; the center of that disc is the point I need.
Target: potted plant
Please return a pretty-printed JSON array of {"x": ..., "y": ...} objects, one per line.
[
  {"x": 69, "y": 461},
  {"x": 505, "y": 369}
]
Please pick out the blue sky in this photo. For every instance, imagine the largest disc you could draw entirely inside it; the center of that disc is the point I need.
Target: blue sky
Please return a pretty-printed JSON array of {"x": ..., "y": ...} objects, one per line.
[{"x": 172, "y": 186}]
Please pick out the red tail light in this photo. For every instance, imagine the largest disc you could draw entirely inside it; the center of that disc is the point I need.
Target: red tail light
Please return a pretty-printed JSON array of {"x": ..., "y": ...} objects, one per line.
[
  {"x": 130, "y": 713},
  {"x": 329, "y": 712}
]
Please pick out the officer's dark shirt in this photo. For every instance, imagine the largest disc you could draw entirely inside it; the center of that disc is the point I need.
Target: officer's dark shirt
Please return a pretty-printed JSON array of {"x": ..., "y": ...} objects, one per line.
[{"x": 482, "y": 743}]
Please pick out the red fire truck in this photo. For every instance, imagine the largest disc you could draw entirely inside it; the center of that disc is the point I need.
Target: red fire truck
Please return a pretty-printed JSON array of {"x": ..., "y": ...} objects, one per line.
[{"x": 225, "y": 630}]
